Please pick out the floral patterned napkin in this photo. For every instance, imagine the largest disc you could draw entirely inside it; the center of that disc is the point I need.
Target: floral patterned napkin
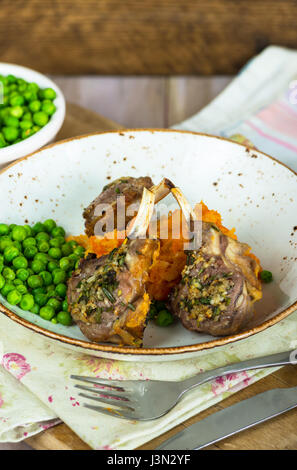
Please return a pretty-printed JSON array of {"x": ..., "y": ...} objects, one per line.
[
  {"x": 35, "y": 388},
  {"x": 43, "y": 368}
]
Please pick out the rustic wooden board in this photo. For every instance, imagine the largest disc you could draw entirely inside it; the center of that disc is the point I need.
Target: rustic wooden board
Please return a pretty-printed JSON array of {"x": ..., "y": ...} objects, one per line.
[
  {"x": 142, "y": 37},
  {"x": 279, "y": 433}
]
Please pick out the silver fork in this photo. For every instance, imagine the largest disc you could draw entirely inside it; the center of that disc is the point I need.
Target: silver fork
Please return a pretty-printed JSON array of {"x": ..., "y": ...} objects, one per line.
[{"x": 143, "y": 400}]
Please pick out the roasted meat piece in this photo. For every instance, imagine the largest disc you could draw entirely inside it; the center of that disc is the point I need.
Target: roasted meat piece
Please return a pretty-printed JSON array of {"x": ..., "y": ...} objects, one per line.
[
  {"x": 107, "y": 296},
  {"x": 127, "y": 186},
  {"x": 219, "y": 283}
]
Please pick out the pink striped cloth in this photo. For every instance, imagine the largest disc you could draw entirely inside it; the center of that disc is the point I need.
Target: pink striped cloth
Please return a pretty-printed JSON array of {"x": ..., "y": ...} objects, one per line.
[{"x": 259, "y": 104}]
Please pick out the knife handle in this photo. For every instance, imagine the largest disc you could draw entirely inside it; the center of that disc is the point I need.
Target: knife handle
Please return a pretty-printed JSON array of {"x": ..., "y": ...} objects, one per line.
[{"x": 273, "y": 360}]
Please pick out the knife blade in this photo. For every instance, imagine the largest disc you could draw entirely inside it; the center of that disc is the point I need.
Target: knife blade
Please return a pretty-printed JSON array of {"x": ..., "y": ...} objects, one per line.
[{"x": 234, "y": 419}]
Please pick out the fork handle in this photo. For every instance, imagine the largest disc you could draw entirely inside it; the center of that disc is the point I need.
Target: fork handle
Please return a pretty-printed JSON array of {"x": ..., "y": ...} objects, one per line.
[{"x": 274, "y": 360}]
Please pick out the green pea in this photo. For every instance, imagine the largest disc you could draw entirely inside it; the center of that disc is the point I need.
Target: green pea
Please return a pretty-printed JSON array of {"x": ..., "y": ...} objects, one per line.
[
  {"x": 54, "y": 303},
  {"x": 52, "y": 265},
  {"x": 16, "y": 111},
  {"x": 33, "y": 87},
  {"x": 64, "y": 318},
  {"x": 73, "y": 259},
  {"x": 5, "y": 241},
  {"x": 266, "y": 276},
  {"x": 164, "y": 318},
  {"x": 8, "y": 274},
  {"x": 40, "y": 299},
  {"x": 54, "y": 320},
  {"x": 30, "y": 251},
  {"x": 65, "y": 264},
  {"x": 11, "y": 121},
  {"x": 48, "y": 107},
  {"x": 14, "y": 297},
  {"x": 10, "y": 133},
  {"x": 46, "y": 277},
  {"x": 58, "y": 232},
  {"x": 37, "y": 266},
  {"x": 38, "y": 227},
  {"x": 61, "y": 289},
  {"x": 22, "y": 274},
  {"x": 47, "y": 312},
  {"x": 22, "y": 289},
  {"x": 4, "y": 229},
  {"x": 59, "y": 276},
  {"x": 12, "y": 226},
  {"x": 18, "y": 245},
  {"x": 28, "y": 230},
  {"x": 27, "y": 133},
  {"x": 51, "y": 290},
  {"x": 27, "y": 117},
  {"x": 57, "y": 242},
  {"x": 35, "y": 129},
  {"x": 27, "y": 302},
  {"x": 35, "y": 309},
  {"x": 43, "y": 257},
  {"x": 77, "y": 264},
  {"x": 73, "y": 244},
  {"x": 43, "y": 246},
  {"x": 22, "y": 87},
  {"x": 42, "y": 236},
  {"x": 19, "y": 233},
  {"x": 2, "y": 281},
  {"x": 8, "y": 286},
  {"x": 39, "y": 290},
  {"x": 35, "y": 281},
  {"x": 34, "y": 106},
  {"x": 25, "y": 124},
  {"x": 67, "y": 249},
  {"x": 49, "y": 225},
  {"x": 55, "y": 253},
  {"x": 20, "y": 262},
  {"x": 30, "y": 241},
  {"x": 10, "y": 253},
  {"x": 11, "y": 78},
  {"x": 16, "y": 100},
  {"x": 48, "y": 94},
  {"x": 65, "y": 305},
  {"x": 40, "y": 118},
  {"x": 79, "y": 251}
]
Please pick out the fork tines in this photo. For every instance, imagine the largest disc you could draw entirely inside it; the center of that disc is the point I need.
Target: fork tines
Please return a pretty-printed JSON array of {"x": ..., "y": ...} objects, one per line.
[{"x": 103, "y": 391}]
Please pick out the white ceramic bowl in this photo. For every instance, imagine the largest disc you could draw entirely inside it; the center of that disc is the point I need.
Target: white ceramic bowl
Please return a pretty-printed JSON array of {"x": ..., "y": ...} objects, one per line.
[
  {"x": 49, "y": 131},
  {"x": 252, "y": 191}
]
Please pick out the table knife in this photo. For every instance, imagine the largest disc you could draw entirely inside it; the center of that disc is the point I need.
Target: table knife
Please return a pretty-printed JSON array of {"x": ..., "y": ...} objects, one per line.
[{"x": 234, "y": 419}]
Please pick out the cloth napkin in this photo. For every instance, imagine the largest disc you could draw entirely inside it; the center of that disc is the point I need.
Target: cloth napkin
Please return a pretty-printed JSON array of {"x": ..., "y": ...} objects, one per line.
[{"x": 260, "y": 105}]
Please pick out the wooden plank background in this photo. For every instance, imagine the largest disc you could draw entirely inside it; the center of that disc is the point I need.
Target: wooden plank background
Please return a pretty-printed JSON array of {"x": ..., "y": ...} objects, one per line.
[
  {"x": 142, "y": 37},
  {"x": 142, "y": 101}
]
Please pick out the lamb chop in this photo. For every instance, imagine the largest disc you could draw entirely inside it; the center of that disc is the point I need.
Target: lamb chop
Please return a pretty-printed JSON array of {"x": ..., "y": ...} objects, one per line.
[
  {"x": 129, "y": 187},
  {"x": 219, "y": 283},
  {"x": 107, "y": 296}
]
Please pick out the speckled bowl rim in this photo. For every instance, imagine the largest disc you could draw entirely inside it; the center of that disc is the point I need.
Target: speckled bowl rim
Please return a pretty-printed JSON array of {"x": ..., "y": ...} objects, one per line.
[{"x": 106, "y": 348}]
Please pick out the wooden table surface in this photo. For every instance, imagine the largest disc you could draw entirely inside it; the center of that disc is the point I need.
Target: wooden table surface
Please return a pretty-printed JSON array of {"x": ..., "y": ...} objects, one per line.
[{"x": 161, "y": 102}]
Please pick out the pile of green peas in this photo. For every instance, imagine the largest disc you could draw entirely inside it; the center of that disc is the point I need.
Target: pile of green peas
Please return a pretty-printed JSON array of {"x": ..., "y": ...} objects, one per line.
[
  {"x": 24, "y": 109},
  {"x": 35, "y": 264}
]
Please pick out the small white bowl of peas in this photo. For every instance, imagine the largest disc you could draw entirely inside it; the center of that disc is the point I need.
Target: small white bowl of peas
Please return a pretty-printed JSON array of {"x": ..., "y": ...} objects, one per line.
[{"x": 32, "y": 111}]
